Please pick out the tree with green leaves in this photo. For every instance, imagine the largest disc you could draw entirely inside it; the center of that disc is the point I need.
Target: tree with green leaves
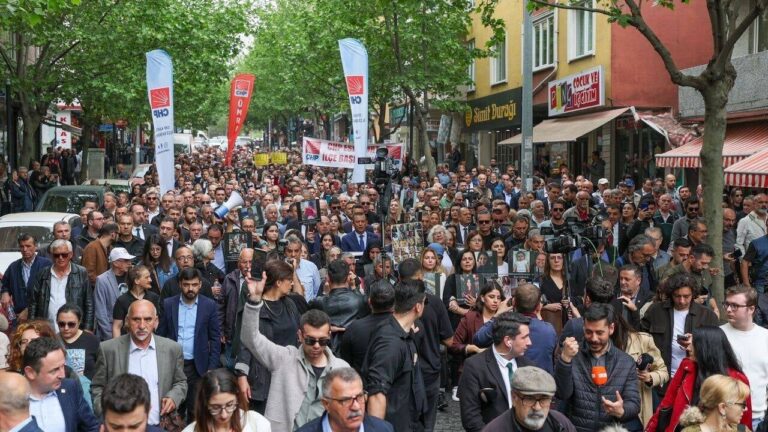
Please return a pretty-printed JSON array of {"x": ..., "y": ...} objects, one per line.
[
  {"x": 93, "y": 52},
  {"x": 728, "y": 21}
]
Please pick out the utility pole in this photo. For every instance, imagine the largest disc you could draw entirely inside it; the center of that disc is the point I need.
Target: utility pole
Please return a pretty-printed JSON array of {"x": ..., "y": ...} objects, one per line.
[{"x": 526, "y": 150}]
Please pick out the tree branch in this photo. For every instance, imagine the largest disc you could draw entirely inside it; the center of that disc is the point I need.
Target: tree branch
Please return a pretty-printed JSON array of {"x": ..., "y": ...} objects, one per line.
[
  {"x": 555, "y": 4},
  {"x": 727, "y": 49},
  {"x": 5, "y": 57}
]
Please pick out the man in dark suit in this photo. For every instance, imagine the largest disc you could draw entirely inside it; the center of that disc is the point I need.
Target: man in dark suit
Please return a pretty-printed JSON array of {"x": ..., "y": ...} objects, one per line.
[
  {"x": 14, "y": 404},
  {"x": 126, "y": 403},
  {"x": 484, "y": 387},
  {"x": 631, "y": 293},
  {"x": 167, "y": 228},
  {"x": 359, "y": 238},
  {"x": 56, "y": 403},
  {"x": 193, "y": 321},
  {"x": 17, "y": 277},
  {"x": 344, "y": 401},
  {"x": 141, "y": 229}
]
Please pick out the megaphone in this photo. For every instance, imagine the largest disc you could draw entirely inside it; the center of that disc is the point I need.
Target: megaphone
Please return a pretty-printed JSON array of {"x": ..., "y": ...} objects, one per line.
[{"x": 235, "y": 200}]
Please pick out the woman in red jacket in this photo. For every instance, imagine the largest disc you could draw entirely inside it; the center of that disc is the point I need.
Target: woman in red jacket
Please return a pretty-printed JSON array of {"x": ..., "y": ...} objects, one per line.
[
  {"x": 485, "y": 308},
  {"x": 709, "y": 354}
]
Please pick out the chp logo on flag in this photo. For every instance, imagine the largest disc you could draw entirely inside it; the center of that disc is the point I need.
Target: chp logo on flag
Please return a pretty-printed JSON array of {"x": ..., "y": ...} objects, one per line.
[
  {"x": 242, "y": 88},
  {"x": 355, "y": 85},
  {"x": 160, "y": 97}
]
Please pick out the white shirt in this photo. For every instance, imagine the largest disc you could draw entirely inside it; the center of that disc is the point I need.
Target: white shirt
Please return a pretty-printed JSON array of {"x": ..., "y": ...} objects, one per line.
[
  {"x": 143, "y": 362},
  {"x": 751, "y": 347},
  {"x": 58, "y": 297},
  {"x": 678, "y": 328},
  {"x": 47, "y": 413},
  {"x": 502, "y": 363},
  {"x": 218, "y": 258}
]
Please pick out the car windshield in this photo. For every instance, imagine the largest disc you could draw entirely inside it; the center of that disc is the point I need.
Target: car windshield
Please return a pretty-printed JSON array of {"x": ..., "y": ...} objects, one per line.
[
  {"x": 9, "y": 236},
  {"x": 66, "y": 201}
]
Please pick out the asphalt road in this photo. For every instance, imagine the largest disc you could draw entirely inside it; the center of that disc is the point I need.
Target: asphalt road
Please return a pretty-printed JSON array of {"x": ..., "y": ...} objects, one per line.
[{"x": 449, "y": 420}]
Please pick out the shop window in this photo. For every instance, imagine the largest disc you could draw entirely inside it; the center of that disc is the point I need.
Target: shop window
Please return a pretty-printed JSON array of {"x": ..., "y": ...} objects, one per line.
[
  {"x": 499, "y": 62},
  {"x": 754, "y": 40},
  {"x": 544, "y": 40},
  {"x": 581, "y": 31}
]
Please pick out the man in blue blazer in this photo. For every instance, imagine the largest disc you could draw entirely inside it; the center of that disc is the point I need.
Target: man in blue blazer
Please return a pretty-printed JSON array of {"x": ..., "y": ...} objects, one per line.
[
  {"x": 56, "y": 403},
  {"x": 193, "y": 321},
  {"x": 344, "y": 402},
  {"x": 358, "y": 239},
  {"x": 16, "y": 279}
]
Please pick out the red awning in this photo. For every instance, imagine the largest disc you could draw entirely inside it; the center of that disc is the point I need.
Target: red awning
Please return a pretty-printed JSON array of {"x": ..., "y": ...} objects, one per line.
[
  {"x": 741, "y": 141},
  {"x": 750, "y": 172}
]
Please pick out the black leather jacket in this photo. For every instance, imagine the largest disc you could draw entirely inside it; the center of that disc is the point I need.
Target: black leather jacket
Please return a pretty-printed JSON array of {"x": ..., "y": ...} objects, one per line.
[
  {"x": 79, "y": 291},
  {"x": 343, "y": 305}
]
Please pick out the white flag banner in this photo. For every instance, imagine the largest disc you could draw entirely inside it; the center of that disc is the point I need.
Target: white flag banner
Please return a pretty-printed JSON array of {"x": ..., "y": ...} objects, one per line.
[
  {"x": 354, "y": 60},
  {"x": 160, "y": 88}
]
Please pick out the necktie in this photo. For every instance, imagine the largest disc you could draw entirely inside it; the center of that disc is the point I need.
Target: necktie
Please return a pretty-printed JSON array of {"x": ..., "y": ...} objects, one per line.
[
  {"x": 361, "y": 242},
  {"x": 464, "y": 237},
  {"x": 137, "y": 232},
  {"x": 510, "y": 372}
]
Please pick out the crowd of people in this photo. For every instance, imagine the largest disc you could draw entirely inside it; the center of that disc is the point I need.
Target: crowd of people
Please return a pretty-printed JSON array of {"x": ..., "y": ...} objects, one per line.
[{"x": 268, "y": 298}]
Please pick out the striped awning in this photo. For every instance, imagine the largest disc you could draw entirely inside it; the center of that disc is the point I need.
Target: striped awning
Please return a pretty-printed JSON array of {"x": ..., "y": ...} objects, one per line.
[
  {"x": 750, "y": 172},
  {"x": 741, "y": 141}
]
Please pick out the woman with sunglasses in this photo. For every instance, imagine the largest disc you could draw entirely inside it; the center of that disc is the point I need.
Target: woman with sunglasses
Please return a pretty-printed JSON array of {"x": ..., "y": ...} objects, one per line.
[
  {"x": 279, "y": 322},
  {"x": 82, "y": 347},
  {"x": 221, "y": 407},
  {"x": 721, "y": 408},
  {"x": 554, "y": 289}
]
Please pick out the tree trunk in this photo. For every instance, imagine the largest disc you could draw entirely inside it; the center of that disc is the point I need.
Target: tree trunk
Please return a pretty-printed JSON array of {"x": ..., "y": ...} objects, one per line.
[
  {"x": 423, "y": 142},
  {"x": 29, "y": 143},
  {"x": 382, "y": 122},
  {"x": 711, "y": 173}
]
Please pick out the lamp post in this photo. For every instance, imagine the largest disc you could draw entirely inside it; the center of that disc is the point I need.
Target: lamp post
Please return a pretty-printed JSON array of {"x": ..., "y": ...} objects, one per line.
[{"x": 10, "y": 132}]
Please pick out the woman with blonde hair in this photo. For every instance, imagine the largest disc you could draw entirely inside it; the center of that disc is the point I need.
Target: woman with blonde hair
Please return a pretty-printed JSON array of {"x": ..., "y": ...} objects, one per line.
[
  {"x": 722, "y": 403},
  {"x": 431, "y": 264}
]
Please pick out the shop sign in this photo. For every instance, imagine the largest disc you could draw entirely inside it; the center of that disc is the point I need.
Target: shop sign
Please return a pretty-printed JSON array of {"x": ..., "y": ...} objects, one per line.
[
  {"x": 500, "y": 110},
  {"x": 397, "y": 116},
  {"x": 577, "y": 92}
]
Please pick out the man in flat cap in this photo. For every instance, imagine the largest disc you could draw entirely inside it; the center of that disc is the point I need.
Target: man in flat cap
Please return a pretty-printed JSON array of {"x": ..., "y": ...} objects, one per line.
[{"x": 532, "y": 392}]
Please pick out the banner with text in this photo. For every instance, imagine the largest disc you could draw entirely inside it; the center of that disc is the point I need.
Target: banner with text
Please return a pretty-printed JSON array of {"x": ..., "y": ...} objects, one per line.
[
  {"x": 324, "y": 153},
  {"x": 160, "y": 91},
  {"x": 239, "y": 99},
  {"x": 577, "y": 92},
  {"x": 354, "y": 60}
]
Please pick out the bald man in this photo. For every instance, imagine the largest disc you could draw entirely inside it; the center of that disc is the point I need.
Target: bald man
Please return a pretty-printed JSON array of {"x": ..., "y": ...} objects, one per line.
[
  {"x": 156, "y": 359},
  {"x": 14, "y": 404}
]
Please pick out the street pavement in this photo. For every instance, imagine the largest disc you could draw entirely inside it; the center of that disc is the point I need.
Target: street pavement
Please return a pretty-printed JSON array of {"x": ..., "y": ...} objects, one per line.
[{"x": 449, "y": 420}]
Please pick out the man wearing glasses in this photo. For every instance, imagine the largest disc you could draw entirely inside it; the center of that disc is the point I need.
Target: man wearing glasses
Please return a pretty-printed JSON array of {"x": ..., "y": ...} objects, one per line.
[
  {"x": 63, "y": 282},
  {"x": 532, "y": 392},
  {"x": 680, "y": 227},
  {"x": 344, "y": 401},
  {"x": 298, "y": 374},
  {"x": 750, "y": 343}
]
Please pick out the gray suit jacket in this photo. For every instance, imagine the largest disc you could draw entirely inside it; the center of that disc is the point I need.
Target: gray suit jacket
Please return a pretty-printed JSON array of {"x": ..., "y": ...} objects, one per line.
[
  {"x": 104, "y": 298},
  {"x": 113, "y": 361}
]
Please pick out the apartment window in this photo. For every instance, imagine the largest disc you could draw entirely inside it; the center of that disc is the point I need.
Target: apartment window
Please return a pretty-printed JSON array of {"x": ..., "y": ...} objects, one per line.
[
  {"x": 544, "y": 41},
  {"x": 581, "y": 34},
  {"x": 499, "y": 62},
  {"x": 471, "y": 68}
]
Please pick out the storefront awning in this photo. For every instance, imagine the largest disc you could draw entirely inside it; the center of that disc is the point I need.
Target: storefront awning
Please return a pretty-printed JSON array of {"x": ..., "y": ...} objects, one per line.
[
  {"x": 750, "y": 172},
  {"x": 568, "y": 128},
  {"x": 741, "y": 141}
]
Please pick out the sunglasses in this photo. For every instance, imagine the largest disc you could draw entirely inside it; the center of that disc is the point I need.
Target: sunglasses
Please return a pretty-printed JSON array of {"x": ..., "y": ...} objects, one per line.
[
  {"x": 206, "y": 202},
  {"x": 557, "y": 210},
  {"x": 310, "y": 341},
  {"x": 67, "y": 324},
  {"x": 60, "y": 255}
]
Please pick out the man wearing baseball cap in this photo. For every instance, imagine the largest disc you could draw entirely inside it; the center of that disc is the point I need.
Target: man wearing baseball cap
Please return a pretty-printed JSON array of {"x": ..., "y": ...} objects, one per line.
[
  {"x": 109, "y": 286},
  {"x": 532, "y": 392}
]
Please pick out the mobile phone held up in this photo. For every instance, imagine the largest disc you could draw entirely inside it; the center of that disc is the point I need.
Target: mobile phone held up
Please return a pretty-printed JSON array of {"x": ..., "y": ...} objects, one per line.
[{"x": 258, "y": 263}]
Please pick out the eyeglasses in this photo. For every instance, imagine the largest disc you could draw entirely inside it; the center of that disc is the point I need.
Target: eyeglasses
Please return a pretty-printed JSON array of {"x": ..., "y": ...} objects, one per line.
[
  {"x": 185, "y": 258},
  {"x": 310, "y": 341},
  {"x": 206, "y": 202},
  {"x": 556, "y": 257},
  {"x": 217, "y": 409},
  {"x": 151, "y": 198},
  {"x": 734, "y": 306},
  {"x": 483, "y": 222},
  {"x": 67, "y": 324},
  {"x": 693, "y": 209},
  {"x": 557, "y": 210},
  {"x": 347, "y": 402},
  {"x": 530, "y": 401},
  {"x": 742, "y": 405},
  {"x": 60, "y": 255}
]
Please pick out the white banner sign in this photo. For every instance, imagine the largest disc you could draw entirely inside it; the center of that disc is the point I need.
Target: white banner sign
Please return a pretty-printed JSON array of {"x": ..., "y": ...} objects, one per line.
[
  {"x": 324, "y": 153},
  {"x": 160, "y": 88},
  {"x": 354, "y": 60}
]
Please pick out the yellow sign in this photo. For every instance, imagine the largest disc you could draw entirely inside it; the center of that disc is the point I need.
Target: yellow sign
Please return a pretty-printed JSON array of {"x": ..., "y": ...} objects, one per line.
[
  {"x": 279, "y": 158},
  {"x": 261, "y": 159}
]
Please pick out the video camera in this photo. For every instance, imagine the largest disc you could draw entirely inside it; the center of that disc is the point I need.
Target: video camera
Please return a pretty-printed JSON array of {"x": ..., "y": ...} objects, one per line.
[{"x": 574, "y": 235}]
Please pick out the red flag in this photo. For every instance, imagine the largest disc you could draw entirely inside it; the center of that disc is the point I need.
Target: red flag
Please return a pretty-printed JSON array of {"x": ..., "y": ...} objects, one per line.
[{"x": 239, "y": 99}]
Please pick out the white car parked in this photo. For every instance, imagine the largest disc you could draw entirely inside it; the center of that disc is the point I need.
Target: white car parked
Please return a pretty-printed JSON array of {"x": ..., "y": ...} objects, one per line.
[{"x": 37, "y": 224}]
